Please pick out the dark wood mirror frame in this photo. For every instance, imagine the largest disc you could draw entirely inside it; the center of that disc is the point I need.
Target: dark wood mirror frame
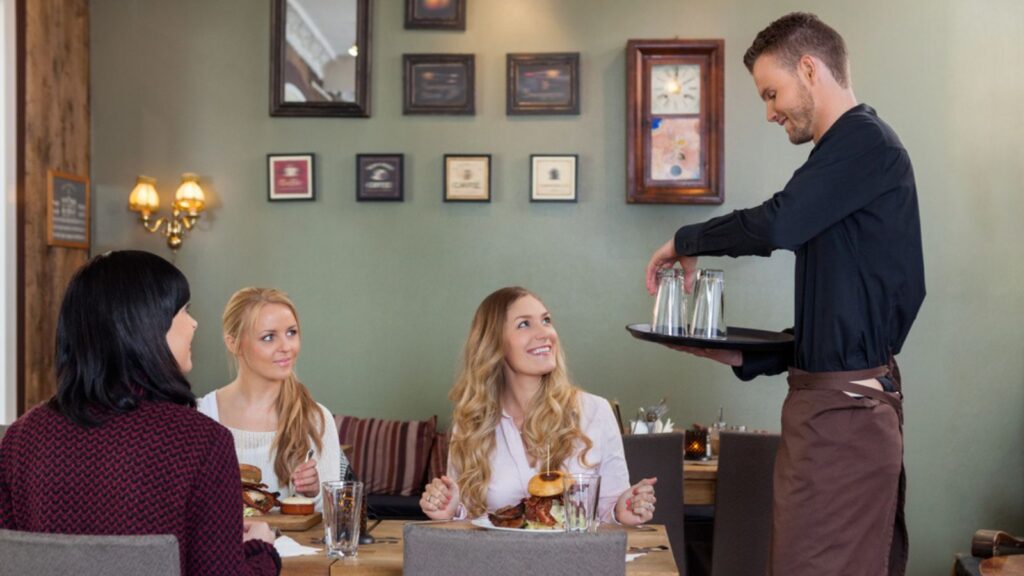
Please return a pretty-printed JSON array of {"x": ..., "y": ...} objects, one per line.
[{"x": 358, "y": 109}]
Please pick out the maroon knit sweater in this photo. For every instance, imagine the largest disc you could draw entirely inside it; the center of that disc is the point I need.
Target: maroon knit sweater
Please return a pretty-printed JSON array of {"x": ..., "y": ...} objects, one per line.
[{"x": 160, "y": 469}]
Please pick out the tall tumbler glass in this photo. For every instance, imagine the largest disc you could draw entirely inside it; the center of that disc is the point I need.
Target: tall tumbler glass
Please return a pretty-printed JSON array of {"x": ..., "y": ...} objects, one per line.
[
  {"x": 670, "y": 305},
  {"x": 709, "y": 305},
  {"x": 343, "y": 506},
  {"x": 579, "y": 501}
]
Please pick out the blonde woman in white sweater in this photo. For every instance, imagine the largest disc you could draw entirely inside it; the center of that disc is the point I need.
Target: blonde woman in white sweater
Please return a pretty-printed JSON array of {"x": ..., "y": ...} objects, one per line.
[{"x": 274, "y": 420}]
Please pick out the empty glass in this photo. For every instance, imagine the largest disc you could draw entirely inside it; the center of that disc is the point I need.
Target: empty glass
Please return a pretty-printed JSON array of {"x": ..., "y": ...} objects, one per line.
[
  {"x": 670, "y": 305},
  {"x": 579, "y": 501},
  {"x": 709, "y": 305},
  {"x": 343, "y": 505}
]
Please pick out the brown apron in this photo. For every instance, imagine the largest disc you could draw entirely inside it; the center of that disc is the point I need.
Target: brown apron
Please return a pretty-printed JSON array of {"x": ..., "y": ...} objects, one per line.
[{"x": 839, "y": 482}]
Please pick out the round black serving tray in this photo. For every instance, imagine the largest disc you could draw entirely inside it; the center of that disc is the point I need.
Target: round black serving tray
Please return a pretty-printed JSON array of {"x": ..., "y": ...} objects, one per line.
[{"x": 744, "y": 339}]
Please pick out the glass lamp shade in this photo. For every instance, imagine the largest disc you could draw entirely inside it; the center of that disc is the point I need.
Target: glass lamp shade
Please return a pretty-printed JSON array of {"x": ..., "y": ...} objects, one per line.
[
  {"x": 144, "y": 198},
  {"x": 189, "y": 197}
]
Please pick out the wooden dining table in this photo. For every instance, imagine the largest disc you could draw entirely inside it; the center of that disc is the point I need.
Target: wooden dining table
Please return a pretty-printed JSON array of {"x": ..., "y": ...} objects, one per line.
[
  {"x": 699, "y": 481},
  {"x": 384, "y": 557}
]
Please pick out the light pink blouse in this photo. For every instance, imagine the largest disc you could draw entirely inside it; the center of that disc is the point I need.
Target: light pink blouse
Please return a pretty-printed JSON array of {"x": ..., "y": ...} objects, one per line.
[{"x": 511, "y": 471}]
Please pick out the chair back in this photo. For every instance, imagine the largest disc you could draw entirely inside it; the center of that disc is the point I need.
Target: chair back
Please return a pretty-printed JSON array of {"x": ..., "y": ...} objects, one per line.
[
  {"x": 435, "y": 550},
  {"x": 661, "y": 456},
  {"x": 743, "y": 504},
  {"x": 44, "y": 553}
]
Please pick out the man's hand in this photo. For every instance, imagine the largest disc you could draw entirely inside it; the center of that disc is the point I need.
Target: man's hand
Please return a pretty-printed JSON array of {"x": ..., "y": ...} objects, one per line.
[{"x": 666, "y": 257}]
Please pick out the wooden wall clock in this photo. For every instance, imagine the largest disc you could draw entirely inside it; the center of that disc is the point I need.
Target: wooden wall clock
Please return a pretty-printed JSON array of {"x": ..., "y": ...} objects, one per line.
[{"x": 675, "y": 121}]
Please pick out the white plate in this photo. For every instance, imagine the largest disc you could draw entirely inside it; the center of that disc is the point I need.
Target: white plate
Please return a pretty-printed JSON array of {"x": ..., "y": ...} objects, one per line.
[{"x": 485, "y": 522}]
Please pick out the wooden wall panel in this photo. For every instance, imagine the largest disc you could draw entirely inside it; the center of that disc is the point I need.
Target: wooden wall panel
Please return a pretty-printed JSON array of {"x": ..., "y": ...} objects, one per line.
[{"x": 55, "y": 96}]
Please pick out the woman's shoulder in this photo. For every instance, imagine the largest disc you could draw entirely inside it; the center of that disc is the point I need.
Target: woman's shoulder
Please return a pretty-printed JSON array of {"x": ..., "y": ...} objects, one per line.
[
  {"x": 208, "y": 405},
  {"x": 594, "y": 408}
]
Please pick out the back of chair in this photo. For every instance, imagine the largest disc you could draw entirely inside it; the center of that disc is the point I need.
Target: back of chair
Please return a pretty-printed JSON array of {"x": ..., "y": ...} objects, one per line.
[
  {"x": 743, "y": 504},
  {"x": 661, "y": 456},
  {"x": 434, "y": 550},
  {"x": 43, "y": 553}
]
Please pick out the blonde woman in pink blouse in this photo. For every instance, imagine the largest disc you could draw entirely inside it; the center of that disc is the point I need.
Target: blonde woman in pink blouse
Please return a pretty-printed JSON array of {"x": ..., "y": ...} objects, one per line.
[{"x": 513, "y": 403}]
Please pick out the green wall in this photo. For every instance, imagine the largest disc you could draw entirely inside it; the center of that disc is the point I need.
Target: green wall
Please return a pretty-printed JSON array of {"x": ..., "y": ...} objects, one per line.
[{"x": 386, "y": 291}]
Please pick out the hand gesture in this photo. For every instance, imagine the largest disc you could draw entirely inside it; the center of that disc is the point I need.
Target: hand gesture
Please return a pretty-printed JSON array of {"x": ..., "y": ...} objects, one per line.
[
  {"x": 636, "y": 505},
  {"x": 666, "y": 257},
  {"x": 254, "y": 530},
  {"x": 440, "y": 499},
  {"x": 306, "y": 479}
]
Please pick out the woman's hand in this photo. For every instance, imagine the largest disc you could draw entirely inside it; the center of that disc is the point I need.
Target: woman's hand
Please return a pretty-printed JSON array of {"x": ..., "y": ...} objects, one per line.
[
  {"x": 255, "y": 530},
  {"x": 440, "y": 499},
  {"x": 306, "y": 479},
  {"x": 636, "y": 505}
]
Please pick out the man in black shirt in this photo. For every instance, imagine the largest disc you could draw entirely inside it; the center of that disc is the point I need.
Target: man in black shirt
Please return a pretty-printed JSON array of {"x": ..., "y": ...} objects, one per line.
[{"x": 850, "y": 215}]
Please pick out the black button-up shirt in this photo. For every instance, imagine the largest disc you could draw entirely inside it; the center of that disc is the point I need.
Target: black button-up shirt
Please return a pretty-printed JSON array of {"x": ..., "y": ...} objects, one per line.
[{"x": 850, "y": 214}]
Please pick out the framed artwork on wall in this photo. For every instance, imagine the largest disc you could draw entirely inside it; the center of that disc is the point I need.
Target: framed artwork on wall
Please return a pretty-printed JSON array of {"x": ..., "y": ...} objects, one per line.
[
  {"x": 553, "y": 178},
  {"x": 290, "y": 177},
  {"x": 675, "y": 121},
  {"x": 67, "y": 210},
  {"x": 467, "y": 177},
  {"x": 435, "y": 14},
  {"x": 546, "y": 83},
  {"x": 379, "y": 178},
  {"x": 438, "y": 84}
]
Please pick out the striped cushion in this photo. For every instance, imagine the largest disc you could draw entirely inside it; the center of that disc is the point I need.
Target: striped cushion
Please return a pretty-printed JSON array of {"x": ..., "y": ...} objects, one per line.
[
  {"x": 438, "y": 457},
  {"x": 389, "y": 456}
]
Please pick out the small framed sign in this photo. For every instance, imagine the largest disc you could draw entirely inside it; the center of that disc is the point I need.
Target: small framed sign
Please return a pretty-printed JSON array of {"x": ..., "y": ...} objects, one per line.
[
  {"x": 290, "y": 177},
  {"x": 379, "y": 177},
  {"x": 435, "y": 14},
  {"x": 553, "y": 177},
  {"x": 467, "y": 178},
  {"x": 547, "y": 83},
  {"x": 438, "y": 84},
  {"x": 67, "y": 210}
]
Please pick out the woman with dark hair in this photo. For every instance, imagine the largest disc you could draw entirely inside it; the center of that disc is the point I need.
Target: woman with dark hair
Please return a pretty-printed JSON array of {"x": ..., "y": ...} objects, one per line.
[{"x": 120, "y": 448}]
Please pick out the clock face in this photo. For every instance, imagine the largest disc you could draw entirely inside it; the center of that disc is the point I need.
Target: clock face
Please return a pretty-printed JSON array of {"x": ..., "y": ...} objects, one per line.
[{"x": 675, "y": 89}]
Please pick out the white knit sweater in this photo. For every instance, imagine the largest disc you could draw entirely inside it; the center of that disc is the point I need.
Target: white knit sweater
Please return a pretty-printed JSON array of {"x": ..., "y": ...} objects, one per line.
[{"x": 254, "y": 448}]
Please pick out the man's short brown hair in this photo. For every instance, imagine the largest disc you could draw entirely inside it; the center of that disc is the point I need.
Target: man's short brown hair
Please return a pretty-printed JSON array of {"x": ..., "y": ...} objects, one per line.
[{"x": 796, "y": 34}]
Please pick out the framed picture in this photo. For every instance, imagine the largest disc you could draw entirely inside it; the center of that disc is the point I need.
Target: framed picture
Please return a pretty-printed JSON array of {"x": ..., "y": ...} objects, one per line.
[
  {"x": 67, "y": 210},
  {"x": 435, "y": 14},
  {"x": 467, "y": 178},
  {"x": 379, "y": 177},
  {"x": 438, "y": 84},
  {"x": 543, "y": 83},
  {"x": 290, "y": 177},
  {"x": 553, "y": 178},
  {"x": 674, "y": 122}
]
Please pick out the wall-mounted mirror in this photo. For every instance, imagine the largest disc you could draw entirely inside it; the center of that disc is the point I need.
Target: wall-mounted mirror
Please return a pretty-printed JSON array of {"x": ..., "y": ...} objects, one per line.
[{"x": 320, "y": 58}]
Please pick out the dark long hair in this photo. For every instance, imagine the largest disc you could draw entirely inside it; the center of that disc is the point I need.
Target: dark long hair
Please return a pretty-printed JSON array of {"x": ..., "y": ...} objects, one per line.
[{"x": 112, "y": 337}]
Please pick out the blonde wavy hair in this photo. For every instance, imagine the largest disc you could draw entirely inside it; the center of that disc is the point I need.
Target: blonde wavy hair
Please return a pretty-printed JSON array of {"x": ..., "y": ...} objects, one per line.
[
  {"x": 552, "y": 418},
  {"x": 300, "y": 422}
]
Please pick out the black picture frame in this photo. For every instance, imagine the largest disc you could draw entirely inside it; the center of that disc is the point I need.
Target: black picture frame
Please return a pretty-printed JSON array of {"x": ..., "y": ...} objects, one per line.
[
  {"x": 548, "y": 187},
  {"x": 68, "y": 210},
  {"x": 448, "y": 15},
  {"x": 469, "y": 169},
  {"x": 291, "y": 177},
  {"x": 285, "y": 70},
  {"x": 543, "y": 83},
  {"x": 380, "y": 177},
  {"x": 438, "y": 84}
]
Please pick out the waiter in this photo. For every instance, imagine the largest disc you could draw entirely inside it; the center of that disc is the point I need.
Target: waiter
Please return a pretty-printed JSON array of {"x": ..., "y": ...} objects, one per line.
[{"x": 850, "y": 214}]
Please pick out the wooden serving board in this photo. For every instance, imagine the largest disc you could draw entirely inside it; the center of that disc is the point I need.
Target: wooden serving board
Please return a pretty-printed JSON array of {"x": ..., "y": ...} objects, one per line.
[{"x": 288, "y": 522}]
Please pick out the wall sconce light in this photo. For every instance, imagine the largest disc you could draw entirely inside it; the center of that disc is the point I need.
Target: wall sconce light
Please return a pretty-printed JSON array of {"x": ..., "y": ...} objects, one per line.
[{"x": 189, "y": 202}]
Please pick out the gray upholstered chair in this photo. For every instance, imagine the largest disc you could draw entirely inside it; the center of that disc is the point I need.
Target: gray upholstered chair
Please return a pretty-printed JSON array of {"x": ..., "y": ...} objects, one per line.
[
  {"x": 743, "y": 504},
  {"x": 661, "y": 456},
  {"x": 434, "y": 550},
  {"x": 60, "y": 554}
]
